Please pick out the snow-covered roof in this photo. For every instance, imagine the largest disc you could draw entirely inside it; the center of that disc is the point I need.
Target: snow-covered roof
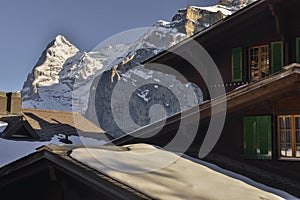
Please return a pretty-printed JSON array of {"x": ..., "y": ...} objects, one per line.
[
  {"x": 165, "y": 175},
  {"x": 146, "y": 172},
  {"x": 11, "y": 150}
]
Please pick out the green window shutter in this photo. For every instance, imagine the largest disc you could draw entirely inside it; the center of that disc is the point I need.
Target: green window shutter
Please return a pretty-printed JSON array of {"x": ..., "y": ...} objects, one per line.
[
  {"x": 264, "y": 137},
  {"x": 277, "y": 56},
  {"x": 237, "y": 65},
  {"x": 250, "y": 137},
  {"x": 298, "y": 50},
  {"x": 257, "y": 137}
]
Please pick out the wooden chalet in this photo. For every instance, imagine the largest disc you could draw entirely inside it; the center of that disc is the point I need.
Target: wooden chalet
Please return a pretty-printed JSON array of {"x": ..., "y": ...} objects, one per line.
[
  {"x": 41, "y": 125},
  {"x": 254, "y": 50},
  {"x": 247, "y": 46}
]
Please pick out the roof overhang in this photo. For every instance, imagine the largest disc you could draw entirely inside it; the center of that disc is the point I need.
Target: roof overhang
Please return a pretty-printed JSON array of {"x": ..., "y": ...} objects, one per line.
[
  {"x": 211, "y": 37},
  {"x": 255, "y": 9},
  {"x": 243, "y": 98}
]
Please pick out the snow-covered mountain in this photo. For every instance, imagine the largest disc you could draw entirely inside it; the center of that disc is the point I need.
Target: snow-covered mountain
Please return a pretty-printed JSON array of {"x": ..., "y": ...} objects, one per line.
[{"x": 66, "y": 78}]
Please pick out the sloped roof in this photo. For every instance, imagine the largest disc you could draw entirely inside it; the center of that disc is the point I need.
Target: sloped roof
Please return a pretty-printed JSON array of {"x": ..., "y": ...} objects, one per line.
[
  {"x": 59, "y": 158},
  {"x": 181, "y": 178},
  {"x": 18, "y": 127},
  {"x": 228, "y": 25},
  {"x": 47, "y": 123},
  {"x": 245, "y": 97},
  {"x": 209, "y": 30}
]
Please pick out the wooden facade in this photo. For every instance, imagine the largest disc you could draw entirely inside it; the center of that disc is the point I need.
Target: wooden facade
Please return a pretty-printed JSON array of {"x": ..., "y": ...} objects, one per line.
[
  {"x": 254, "y": 50},
  {"x": 270, "y": 24},
  {"x": 247, "y": 47}
]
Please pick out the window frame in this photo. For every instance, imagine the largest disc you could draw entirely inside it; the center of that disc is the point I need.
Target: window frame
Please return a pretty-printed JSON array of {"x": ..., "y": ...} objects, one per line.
[
  {"x": 259, "y": 47},
  {"x": 293, "y": 142}
]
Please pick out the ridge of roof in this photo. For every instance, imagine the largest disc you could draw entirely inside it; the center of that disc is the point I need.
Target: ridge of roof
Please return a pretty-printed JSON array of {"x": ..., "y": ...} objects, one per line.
[{"x": 50, "y": 111}]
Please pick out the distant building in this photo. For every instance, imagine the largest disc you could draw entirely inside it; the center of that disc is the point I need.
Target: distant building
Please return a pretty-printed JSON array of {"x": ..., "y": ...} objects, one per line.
[{"x": 30, "y": 124}]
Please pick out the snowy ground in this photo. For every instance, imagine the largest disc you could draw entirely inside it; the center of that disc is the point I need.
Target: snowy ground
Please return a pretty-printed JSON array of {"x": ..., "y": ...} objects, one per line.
[
  {"x": 165, "y": 175},
  {"x": 12, "y": 150},
  {"x": 3, "y": 126}
]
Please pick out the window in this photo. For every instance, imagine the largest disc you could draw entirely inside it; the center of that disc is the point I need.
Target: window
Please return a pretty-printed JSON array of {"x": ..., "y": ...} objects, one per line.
[
  {"x": 257, "y": 137},
  {"x": 289, "y": 136},
  {"x": 259, "y": 62},
  {"x": 262, "y": 60}
]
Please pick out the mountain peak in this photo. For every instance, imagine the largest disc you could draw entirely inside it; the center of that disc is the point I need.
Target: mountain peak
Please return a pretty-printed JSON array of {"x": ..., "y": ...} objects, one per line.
[
  {"x": 62, "y": 68},
  {"x": 46, "y": 71},
  {"x": 61, "y": 40},
  {"x": 59, "y": 36}
]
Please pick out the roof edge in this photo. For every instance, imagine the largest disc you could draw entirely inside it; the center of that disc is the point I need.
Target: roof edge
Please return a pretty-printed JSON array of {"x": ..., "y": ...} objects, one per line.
[{"x": 204, "y": 31}]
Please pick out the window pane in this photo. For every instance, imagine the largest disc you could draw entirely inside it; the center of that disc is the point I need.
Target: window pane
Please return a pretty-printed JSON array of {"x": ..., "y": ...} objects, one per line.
[
  {"x": 289, "y": 151},
  {"x": 298, "y": 150},
  {"x": 282, "y": 150},
  {"x": 288, "y": 123},
  {"x": 282, "y": 136},
  {"x": 281, "y": 123},
  {"x": 297, "y": 136},
  {"x": 288, "y": 137},
  {"x": 297, "y": 119}
]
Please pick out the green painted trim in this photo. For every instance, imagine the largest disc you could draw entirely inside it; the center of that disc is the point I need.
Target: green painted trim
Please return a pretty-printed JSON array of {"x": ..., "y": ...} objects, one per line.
[
  {"x": 275, "y": 68},
  {"x": 239, "y": 67},
  {"x": 258, "y": 137},
  {"x": 298, "y": 50}
]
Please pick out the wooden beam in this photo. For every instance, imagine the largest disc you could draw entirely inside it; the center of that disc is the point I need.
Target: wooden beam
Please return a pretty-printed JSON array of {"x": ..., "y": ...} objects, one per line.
[
  {"x": 52, "y": 173},
  {"x": 279, "y": 20}
]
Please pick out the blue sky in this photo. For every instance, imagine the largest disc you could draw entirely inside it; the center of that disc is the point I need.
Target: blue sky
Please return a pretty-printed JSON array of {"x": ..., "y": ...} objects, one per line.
[{"x": 28, "y": 26}]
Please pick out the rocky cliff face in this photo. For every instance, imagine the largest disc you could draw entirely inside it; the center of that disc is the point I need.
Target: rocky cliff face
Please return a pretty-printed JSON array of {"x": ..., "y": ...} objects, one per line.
[
  {"x": 194, "y": 19},
  {"x": 122, "y": 106},
  {"x": 237, "y": 4},
  {"x": 65, "y": 78},
  {"x": 46, "y": 71}
]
